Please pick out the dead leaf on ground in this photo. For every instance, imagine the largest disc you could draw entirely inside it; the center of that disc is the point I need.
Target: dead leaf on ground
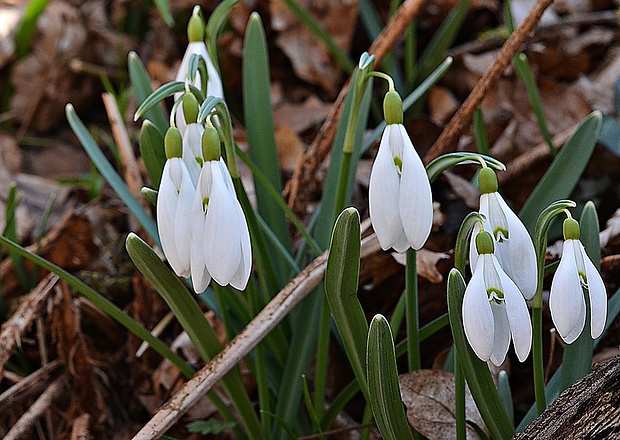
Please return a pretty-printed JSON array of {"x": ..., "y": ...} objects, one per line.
[
  {"x": 426, "y": 263},
  {"x": 311, "y": 60},
  {"x": 428, "y": 396}
]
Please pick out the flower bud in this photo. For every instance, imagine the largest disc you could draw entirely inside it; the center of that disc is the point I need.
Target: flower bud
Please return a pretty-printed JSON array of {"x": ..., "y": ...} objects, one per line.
[
  {"x": 190, "y": 108},
  {"x": 485, "y": 243},
  {"x": 571, "y": 229},
  {"x": 196, "y": 27},
  {"x": 487, "y": 180},
  {"x": 173, "y": 143},
  {"x": 393, "y": 108},
  {"x": 211, "y": 144}
]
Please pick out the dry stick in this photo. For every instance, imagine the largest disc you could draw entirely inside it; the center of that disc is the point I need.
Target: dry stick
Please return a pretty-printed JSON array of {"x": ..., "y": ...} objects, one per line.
[
  {"x": 16, "y": 325},
  {"x": 449, "y": 135},
  {"x": 322, "y": 143},
  {"x": 28, "y": 386},
  {"x": 45, "y": 400},
  {"x": 525, "y": 161},
  {"x": 119, "y": 132},
  {"x": 244, "y": 342},
  {"x": 80, "y": 428}
]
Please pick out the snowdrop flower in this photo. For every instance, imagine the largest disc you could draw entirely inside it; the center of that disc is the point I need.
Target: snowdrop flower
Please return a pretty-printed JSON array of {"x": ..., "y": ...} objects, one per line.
[
  {"x": 197, "y": 46},
  {"x": 566, "y": 300},
  {"x": 192, "y": 138},
  {"x": 494, "y": 311},
  {"x": 220, "y": 240},
  {"x": 174, "y": 201},
  {"x": 401, "y": 203},
  {"x": 514, "y": 247}
]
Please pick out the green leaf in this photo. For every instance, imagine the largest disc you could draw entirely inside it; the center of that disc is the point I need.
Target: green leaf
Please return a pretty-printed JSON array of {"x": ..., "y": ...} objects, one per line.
[
  {"x": 152, "y": 151},
  {"x": 610, "y": 134},
  {"x": 102, "y": 304},
  {"x": 385, "y": 400},
  {"x": 524, "y": 72},
  {"x": 461, "y": 247},
  {"x": 476, "y": 371},
  {"x": 193, "y": 321},
  {"x": 480, "y": 134},
  {"x": 211, "y": 426},
  {"x": 141, "y": 86},
  {"x": 28, "y": 27},
  {"x": 164, "y": 10},
  {"x": 150, "y": 195},
  {"x": 503, "y": 389},
  {"x": 216, "y": 21},
  {"x": 261, "y": 133},
  {"x": 341, "y": 282},
  {"x": 577, "y": 358},
  {"x": 10, "y": 232},
  {"x": 109, "y": 173},
  {"x": 565, "y": 170},
  {"x": 164, "y": 91}
]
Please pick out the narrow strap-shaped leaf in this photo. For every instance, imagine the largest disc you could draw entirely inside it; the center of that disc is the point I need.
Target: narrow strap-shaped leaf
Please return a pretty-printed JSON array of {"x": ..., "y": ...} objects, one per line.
[
  {"x": 152, "y": 152},
  {"x": 385, "y": 400},
  {"x": 10, "y": 232},
  {"x": 164, "y": 10},
  {"x": 164, "y": 91},
  {"x": 109, "y": 173},
  {"x": 567, "y": 167},
  {"x": 476, "y": 371},
  {"x": 193, "y": 321},
  {"x": 216, "y": 21},
  {"x": 341, "y": 282},
  {"x": 28, "y": 27},
  {"x": 261, "y": 133},
  {"x": 577, "y": 358},
  {"x": 141, "y": 86}
]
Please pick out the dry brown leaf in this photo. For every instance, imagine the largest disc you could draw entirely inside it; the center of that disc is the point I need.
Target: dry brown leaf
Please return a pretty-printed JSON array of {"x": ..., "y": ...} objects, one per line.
[
  {"x": 426, "y": 263},
  {"x": 428, "y": 396},
  {"x": 290, "y": 147},
  {"x": 302, "y": 116},
  {"x": 311, "y": 60},
  {"x": 464, "y": 189},
  {"x": 442, "y": 104}
]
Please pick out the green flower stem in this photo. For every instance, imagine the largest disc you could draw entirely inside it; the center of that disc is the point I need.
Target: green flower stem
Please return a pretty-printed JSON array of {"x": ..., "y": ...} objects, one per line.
[
  {"x": 322, "y": 360},
  {"x": 537, "y": 357},
  {"x": 412, "y": 313},
  {"x": 459, "y": 396}
]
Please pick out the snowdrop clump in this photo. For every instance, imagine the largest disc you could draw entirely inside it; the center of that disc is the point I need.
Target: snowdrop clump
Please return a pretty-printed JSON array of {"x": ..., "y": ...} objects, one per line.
[{"x": 203, "y": 230}]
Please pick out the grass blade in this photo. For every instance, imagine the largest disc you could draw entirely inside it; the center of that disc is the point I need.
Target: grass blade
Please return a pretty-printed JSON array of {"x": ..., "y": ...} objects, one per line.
[
  {"x": 141, "y": 86},
  {"x": 109, "y": 173},
  {"x": 152, "y": 152}
]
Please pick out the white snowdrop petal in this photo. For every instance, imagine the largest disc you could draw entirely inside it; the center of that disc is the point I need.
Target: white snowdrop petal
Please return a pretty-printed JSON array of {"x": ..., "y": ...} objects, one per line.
[
  {"x": 196, "y": 232},
  {"x": 501, "y": 339},
  {"x": 415, "y": 199},
  {"x": 384, "y": 190},
  {"x": 223, "y": 254},
  {"x": 473, "y": 252},
  {"x": 518, "y": 317},
  {"x": 517, "y": 254},
  {"x": 478, "y": 320},
  {"x": 181, "y": 222},
  {"x": 167, "y": 198},
  {"x": 192, "y": 148},
  {"x": 566, "y": 300},
  {"x": 597, "y": 294}
]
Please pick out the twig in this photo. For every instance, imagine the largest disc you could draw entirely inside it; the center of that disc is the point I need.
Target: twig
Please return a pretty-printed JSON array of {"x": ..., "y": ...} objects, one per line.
[
  {"x": 25, "y": 422},
  {"x": 12, "y": 329},
  {"x": 28, "y": 386},
  {"x": 80, "y": 428},
  {"x": 121, "y": 137},
  {"x": 244, "y": 342},
  {"x": 449, "y": 135},
  {"x": 318, "y": 150},
  {"x": 520, "y": 164}
]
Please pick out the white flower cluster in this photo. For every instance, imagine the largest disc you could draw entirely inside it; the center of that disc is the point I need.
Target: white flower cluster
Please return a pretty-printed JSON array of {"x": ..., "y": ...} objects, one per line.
[{"x": 203, "y": 230}]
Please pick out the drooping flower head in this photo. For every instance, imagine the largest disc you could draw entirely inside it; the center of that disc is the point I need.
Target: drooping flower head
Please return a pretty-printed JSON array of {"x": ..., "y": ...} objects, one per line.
[
  {"x": 575, "y": 273},
  {"x": 174, "y": 200},
  {"x": 197, "y": 46},
  {"x": 401, "y": 203},
  {"x": 513, "y": 245},
  {"x": 220, "y": 239},
  {"x": 494, "y": 310}
]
